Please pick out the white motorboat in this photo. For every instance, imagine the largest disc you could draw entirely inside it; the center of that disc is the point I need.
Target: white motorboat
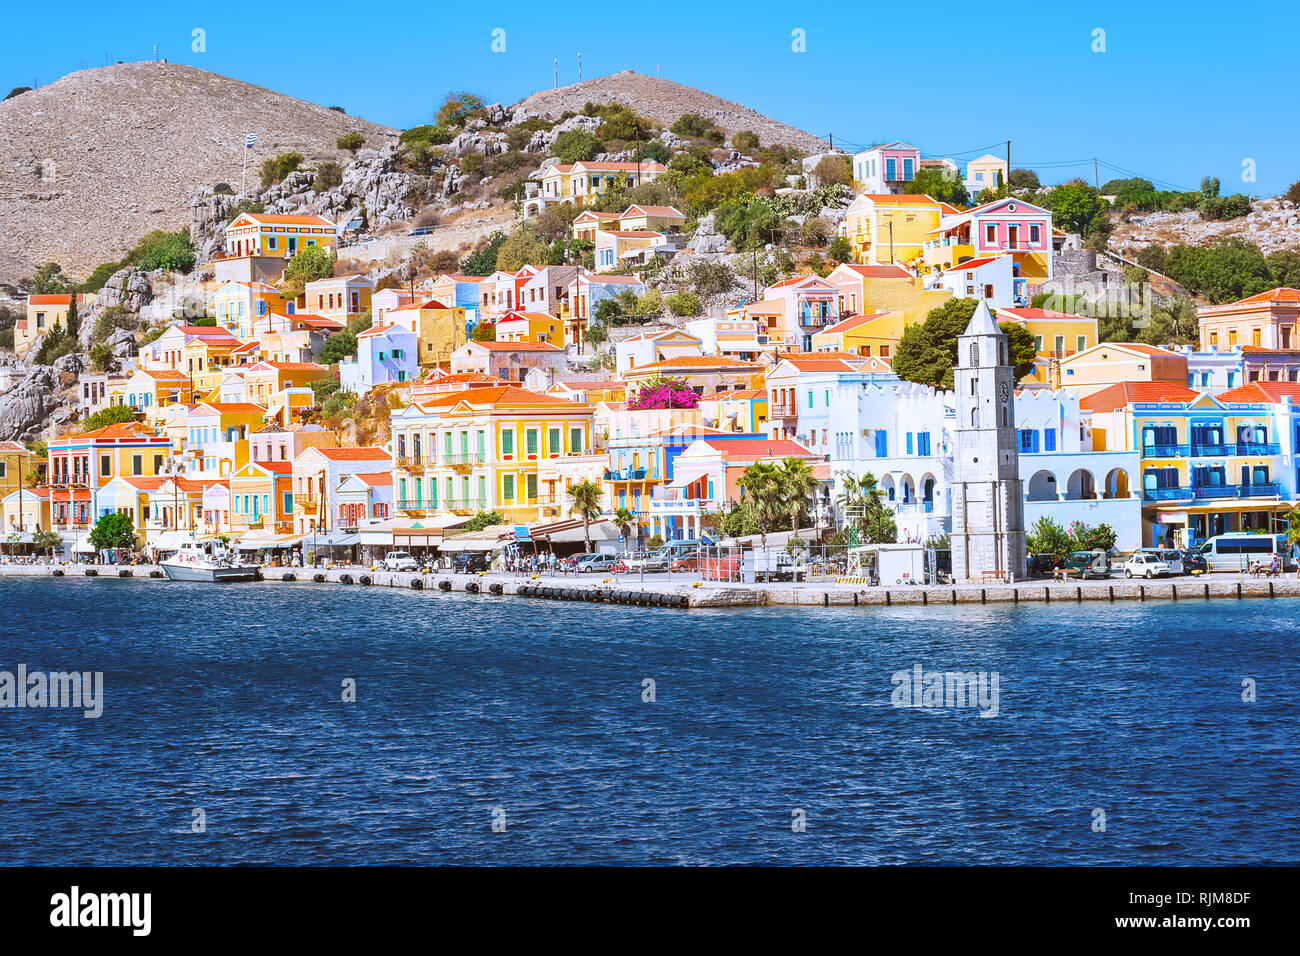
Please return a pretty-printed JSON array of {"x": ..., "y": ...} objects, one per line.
[{"x": 202, "y": 561}]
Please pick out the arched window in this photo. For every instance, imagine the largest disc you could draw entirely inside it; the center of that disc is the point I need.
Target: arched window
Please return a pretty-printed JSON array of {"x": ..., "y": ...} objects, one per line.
[
  {"x": 974, "y": 418},
  {"x": 1004, "y": 416}
]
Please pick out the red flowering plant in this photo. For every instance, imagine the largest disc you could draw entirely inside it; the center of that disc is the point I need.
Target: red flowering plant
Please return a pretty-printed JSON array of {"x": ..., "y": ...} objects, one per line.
[{"x": 664, "y": 393}]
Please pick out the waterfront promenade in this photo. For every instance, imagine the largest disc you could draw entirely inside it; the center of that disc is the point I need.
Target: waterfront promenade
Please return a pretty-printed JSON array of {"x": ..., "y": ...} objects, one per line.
[{"x": 686, "y": 592}]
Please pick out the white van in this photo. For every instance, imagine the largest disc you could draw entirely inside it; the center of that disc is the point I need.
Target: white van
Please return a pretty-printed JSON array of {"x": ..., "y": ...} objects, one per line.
[{"x": 1241, "y": 550}]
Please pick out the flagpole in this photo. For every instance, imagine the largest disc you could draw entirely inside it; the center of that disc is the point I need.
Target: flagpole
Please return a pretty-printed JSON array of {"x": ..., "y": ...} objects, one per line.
[{"x": 243, "y": 172}]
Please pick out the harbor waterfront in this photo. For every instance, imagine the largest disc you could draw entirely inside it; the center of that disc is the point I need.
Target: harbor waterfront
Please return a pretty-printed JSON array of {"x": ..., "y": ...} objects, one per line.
[
  {"x": 691, "y": 592},
  {"x": 228, "y": 701}
]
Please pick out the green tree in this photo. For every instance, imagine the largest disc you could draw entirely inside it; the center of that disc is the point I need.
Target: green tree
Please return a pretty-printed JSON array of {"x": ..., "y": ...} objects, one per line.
[
  {"x": 458, "y": 108},
  {"x": 329, "y": 175},
  {"x": 49, "y": 280},
  {"x": 113, "y": 530},
  {"x": 111, "y": 415},
  {"x": 927, "y": 352},
  {"x": 484, "y": 332},
  {"x": 840, "y": 250},
  {"x": 575, "y": 146},
  {"x": 588, "y": 498},
  {"x": 312, "y": 263},
  {"x": 1085, "y": 537},
  {"x": 173, "y": 251},
  {"x": 1024, "y": 179},
  {"x": 1048, "y": 537},
  {"x": 338, "y": 346},
  {"x": 625, "y": 521},
  {"x": 102, "y": 358},
  {"x": 834, "y": 170},
  {"x": 483, "y": 261},
  {"x": 351, "y": 142},
  {"x": 864, "y": 503},
  {"x": 744, "y": 140},
  {"x": 275, "y": 168},
  {"x": 483, "y": 519},
  {"x": 797, "y": 483},
  {"x": 944, "y": 184},
  {"x": 73, "y": 320},
  {"x": 522, "y": 247},
  {"x": 692, "y": 125},
  {"x": 683, "y": 303},
  {"x": 1078, "y": 207},
  {"x": 761, "y": 484},
  {"x": 46, "y": 541}
]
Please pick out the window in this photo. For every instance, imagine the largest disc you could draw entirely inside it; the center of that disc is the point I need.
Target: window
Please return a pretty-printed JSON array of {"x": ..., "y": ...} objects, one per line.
[
  {"x": 891, "y": 168},
  {"x": 553, "y": 442},
  {"x": 575, "y": 440},
  {"x": 909, "y": 443},
  {"x": 1034, "y": 233},
  {"x": 907, "y": 168},
  {"x": 1058, "y": 344},
  {"x": 810, "y": 398},
  {"x": 532, "y": 487},
  {"x": 137, "y": 464},
  {"x": 508, "y": 441},
  {"x": 923, "y": 443},
  {"x": 532, "y": 441},
  {"x": 1028, "y": 440},
  {"x": 991, "y": 233},
  {"x": 508, "y": 488},
  {"x": 1080, "y": 343},
  {"x": 1038, "y": 343},
  {"x": 882, "y": 443}
]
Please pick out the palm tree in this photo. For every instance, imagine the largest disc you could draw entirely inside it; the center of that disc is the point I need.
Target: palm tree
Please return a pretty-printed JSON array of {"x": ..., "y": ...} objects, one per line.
[
  {"x": 762, "y": 486},
  {"x": 797, "y": 484},
  {"x": 588, "y": 498},
  {"x": 863, "y": 498},
  {"x": 625, "y": 521}
]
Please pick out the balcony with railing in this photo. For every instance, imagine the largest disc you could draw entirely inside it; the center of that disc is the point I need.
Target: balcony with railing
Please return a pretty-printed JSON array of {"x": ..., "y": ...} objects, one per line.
[
  {"x": 412, "y": 464},
  {"x": 307, "y": 503},
  {"x": 1256, "y": 489},
  {"x": 417, "y": 504},
  {"x": 790, "y": 410},
  {"x": 465, "y": 504},
  {"x": 463, "y": 460},
  {"x": 1203, "y": 450},
  {"x": 630, "y": 474}
]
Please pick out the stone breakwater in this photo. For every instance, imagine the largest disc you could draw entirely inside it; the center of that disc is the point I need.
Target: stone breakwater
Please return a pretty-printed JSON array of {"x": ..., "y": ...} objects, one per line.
[{"x": 614, "y": 590}]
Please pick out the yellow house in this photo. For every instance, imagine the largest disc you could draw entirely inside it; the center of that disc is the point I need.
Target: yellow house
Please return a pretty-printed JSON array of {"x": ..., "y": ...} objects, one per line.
[
  {"x": 480, "y": 450},
  {"x": 1057, "y": 336},
  {"x": 261, "y": 497},
  {"x": 262, "y": 380},
  {"x": 583, "y": 182},
  {"x": 277, "y": 236},
  {"x": 94, "y": 458},
  {"x": 1113, "y": 363},
  {"x": 743, "y": 410},
  {"x": 651, "y": 218},
  {"x": 151, "y": 390},
  {"x": 887, "y": 229},
  {"x": 25, "y": 511},
  {"x": 44, "y": 312},
  {"x": 239, "y": 303},
  {"x": 588, "y": 222},
  {"x": 531, "y": 327},
  {"x": 440, "y": 330},
  {"x": 886, "y": 288},
  {"x": 876, "y": 333},
  {"x": 16, "y": 461},
  {"x": 340, "y": 298}
]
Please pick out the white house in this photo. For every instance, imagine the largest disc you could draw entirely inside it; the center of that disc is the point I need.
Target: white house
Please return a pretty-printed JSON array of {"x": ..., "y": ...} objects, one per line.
[
  {"x": 886, "y": 168},
  {"x": 649, "y": 347},
  {"x": 990, "y": 279},
  {"x": 386, "y": 353}
]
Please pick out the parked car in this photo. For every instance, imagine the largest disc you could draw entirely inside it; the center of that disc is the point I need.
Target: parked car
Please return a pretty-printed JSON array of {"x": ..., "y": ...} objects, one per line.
[
  {"x": 1036, "y": 565},
  {"x": 467, "y": 562},
  {"x": 1088, "y": 564},
  {"x": 1195, "y": 563},
  {"x": 421, "y": 231},
  {"x": 645, "y": 561},
  {"x": 1170, "y": 556},
  {"x": 1145, "y": 564},
  {"x": 596, "y": 562},
  {"x": 400, "y": 561}
]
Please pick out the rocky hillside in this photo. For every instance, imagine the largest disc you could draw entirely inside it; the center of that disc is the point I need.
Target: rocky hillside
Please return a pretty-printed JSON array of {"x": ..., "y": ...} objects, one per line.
[
  {"x": 1272, "y": 224},
  {"x": 665, "y": 101},
  {"x": 94, "y": 161}
]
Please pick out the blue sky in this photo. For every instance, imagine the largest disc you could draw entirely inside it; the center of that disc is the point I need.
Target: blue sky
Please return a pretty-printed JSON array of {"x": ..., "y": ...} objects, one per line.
[{"x": 1180, "y": 91}]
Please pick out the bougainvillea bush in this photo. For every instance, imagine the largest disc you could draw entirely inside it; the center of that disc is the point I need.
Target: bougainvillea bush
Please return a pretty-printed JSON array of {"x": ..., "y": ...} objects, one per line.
[{"x": 664, "y": 393}]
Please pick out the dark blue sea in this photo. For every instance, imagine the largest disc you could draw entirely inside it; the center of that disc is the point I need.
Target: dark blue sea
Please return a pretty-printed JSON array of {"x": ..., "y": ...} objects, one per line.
[{"x": 228, "y": 700}]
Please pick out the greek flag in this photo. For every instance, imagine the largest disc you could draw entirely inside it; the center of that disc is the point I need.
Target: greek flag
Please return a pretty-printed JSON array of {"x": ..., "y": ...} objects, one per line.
[{"x": 249, "y": 139}]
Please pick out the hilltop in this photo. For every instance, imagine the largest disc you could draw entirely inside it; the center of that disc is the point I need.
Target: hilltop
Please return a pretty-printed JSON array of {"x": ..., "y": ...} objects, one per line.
[
  {"x": 99, "y": 158},
  {"x": 665, "y": 101}
]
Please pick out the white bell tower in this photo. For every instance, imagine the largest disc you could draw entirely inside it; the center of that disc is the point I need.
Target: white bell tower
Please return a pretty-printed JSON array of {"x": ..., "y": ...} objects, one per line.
[{"x": 988, "y": 515}]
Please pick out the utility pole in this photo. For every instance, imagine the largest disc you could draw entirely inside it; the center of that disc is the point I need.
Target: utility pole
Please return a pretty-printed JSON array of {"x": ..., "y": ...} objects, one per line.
[
  {"x": 555, "y": 74},
  {"x": 891, "y": 242},
  {"x": 1008, "y": 182},
  {"x": 579, "y": 66}
]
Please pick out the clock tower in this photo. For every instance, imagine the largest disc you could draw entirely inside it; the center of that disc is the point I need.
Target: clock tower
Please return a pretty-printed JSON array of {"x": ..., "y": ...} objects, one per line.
[{"x": 988, "y": 515}]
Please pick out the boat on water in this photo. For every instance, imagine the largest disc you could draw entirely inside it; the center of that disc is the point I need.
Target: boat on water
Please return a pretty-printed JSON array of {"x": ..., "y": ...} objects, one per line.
[{"x": 207, "y": 561}]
